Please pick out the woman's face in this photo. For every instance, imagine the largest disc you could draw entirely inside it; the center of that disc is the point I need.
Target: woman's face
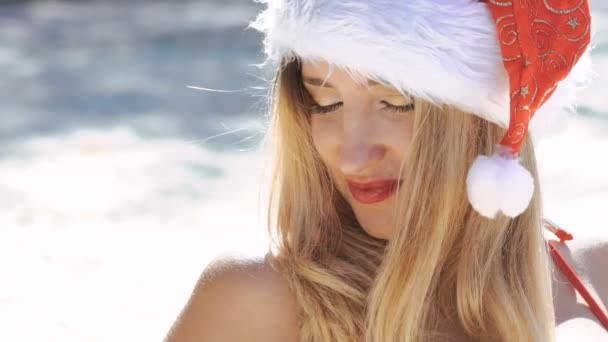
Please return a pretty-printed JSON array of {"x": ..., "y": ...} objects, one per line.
[{"x": 362, "y": 133}]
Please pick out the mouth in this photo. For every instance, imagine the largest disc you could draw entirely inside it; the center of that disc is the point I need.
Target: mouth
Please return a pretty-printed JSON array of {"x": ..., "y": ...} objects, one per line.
[{"x": 373, "y": 192}]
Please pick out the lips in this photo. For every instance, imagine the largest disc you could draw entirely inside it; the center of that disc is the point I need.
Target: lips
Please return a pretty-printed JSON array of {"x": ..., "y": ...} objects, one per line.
[{"x": 373, "y": 192}]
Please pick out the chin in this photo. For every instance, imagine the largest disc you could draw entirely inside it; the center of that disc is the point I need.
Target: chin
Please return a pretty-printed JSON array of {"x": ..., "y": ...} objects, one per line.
[
  {"x": 374, "y": 223},
  {"x": 378, "y": 232}
]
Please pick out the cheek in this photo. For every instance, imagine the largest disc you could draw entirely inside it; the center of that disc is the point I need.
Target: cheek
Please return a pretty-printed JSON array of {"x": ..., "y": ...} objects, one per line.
[
  {"x": 398, "y": 137},
  {"x": 325, "y": 136}
]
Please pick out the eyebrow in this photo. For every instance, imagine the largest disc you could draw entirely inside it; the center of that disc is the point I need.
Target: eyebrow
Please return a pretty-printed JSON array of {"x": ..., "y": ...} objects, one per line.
[{"x": 320, "y": 83}]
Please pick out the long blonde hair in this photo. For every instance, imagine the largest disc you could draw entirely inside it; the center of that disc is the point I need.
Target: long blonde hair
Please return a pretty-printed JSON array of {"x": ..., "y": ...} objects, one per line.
[{"x": 443, "y": 263}]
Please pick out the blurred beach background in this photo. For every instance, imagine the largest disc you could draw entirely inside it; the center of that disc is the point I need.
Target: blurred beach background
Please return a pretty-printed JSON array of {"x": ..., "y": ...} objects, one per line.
[{"x": 118, "y": 183}]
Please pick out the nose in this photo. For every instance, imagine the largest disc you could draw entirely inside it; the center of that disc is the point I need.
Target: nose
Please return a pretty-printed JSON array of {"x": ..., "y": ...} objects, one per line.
[{"x": 360, "y": 149}]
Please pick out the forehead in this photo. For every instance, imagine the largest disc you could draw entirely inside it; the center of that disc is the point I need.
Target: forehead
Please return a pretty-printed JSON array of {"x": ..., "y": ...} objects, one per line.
[{"x": 323, "y": 74}]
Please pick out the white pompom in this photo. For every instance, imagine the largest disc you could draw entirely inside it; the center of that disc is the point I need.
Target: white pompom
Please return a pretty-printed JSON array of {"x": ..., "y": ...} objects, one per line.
[{"x": 499, "y": 183}]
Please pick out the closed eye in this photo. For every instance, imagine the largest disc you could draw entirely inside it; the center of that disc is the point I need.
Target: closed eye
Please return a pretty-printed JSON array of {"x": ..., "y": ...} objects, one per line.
[
  {"x": 317, "y": 109},
  {"x": 400, "y": 109}
]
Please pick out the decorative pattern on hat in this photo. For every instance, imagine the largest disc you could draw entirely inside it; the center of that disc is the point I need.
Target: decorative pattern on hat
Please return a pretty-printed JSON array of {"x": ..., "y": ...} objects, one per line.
[{"x": 540, "y": 45}]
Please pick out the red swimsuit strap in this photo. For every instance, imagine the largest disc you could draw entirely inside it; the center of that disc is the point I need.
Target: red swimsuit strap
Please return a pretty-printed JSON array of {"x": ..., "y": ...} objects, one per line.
[{"x": 569, "y": 272}]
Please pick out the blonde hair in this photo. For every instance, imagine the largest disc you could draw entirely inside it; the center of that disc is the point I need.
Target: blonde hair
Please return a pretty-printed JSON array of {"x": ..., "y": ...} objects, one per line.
[{"x": 443, "y": 263}]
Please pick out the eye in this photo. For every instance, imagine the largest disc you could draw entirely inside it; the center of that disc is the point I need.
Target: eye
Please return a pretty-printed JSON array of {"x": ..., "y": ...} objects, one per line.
[
  {"x": 317, "y": 109},
  {"x": 398, "y": 109}
]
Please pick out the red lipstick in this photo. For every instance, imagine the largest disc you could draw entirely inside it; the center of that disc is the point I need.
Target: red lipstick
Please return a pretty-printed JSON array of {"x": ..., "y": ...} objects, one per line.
[{"x": 374, "y": 191}]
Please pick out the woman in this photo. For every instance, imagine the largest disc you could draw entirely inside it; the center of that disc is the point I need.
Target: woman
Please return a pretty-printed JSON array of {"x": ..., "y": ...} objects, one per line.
[{"x": 390, "y": 222}]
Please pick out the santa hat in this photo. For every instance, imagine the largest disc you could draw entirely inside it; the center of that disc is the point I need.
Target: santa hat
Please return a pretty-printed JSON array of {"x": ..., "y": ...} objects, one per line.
[{"x": 502, "y": 60}]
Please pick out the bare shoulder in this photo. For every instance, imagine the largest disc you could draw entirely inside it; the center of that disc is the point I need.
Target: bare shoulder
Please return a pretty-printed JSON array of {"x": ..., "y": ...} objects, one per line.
[
  {"x": 238, "y": 299},
  {"x": 587, "y": 253}
]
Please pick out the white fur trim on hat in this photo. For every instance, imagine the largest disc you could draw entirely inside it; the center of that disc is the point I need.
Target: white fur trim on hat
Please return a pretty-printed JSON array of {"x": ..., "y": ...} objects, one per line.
[{"x": 446, "y": 52}]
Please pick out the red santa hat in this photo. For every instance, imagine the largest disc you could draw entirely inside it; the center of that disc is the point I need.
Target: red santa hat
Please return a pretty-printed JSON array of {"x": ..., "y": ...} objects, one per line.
[{"x": 504, "y": 61}]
